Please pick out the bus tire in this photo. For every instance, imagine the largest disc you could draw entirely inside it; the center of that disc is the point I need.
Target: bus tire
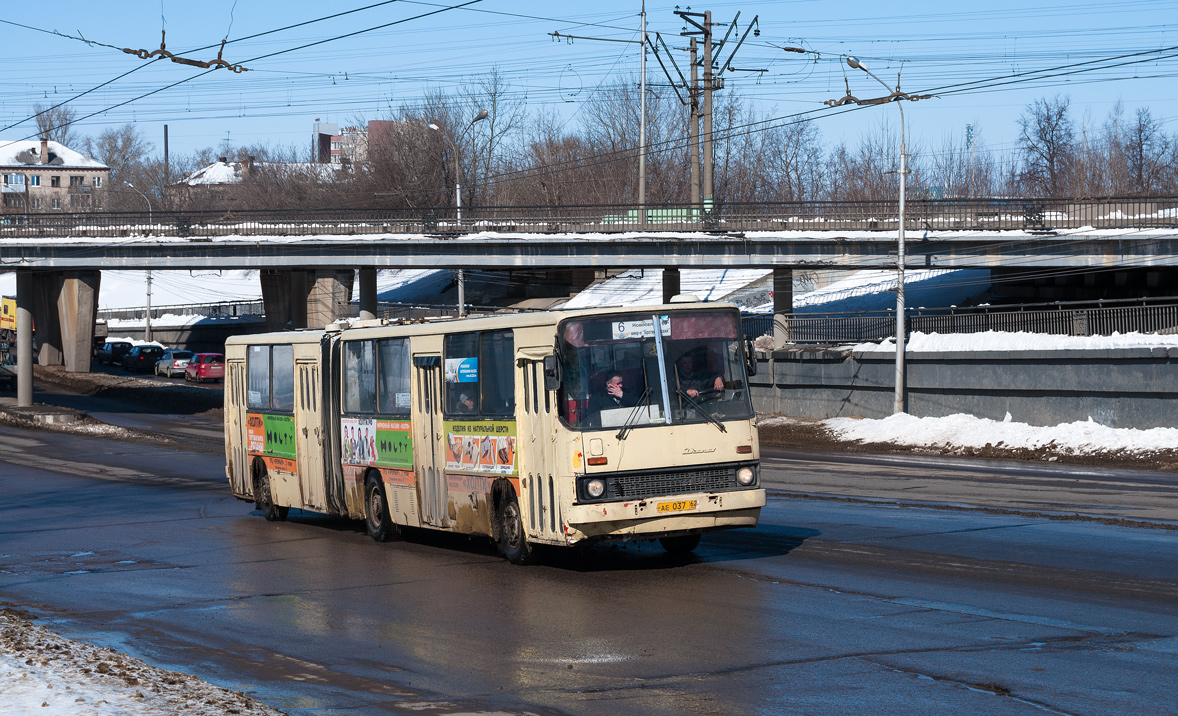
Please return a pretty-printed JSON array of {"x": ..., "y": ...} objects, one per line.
[
  {"x": 680, "y": 546},
  {"x": 376, "y": 511},
  {"x": 512, "y": 539},
  {"x": 264, "y": 499}
]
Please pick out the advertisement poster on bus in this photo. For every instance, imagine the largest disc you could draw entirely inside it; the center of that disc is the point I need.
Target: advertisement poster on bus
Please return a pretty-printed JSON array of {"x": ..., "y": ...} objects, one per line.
[
  {"x": 462, "y": 370},
  {"x": 378, "y": 443},
  {"x": 272, "y": 436},
  {"x": 483, "y": 447}
]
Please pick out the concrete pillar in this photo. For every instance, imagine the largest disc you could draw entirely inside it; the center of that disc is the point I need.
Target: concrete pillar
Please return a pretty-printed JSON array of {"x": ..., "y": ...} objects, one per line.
[
  {"x": 670, "y": 284},
  {"x": 330, "y": 297},
  {"x": 298, "y": 299},
  {"x": 24, "y": 338},
  {"x": 77, "y": 310},
  {"x": 367, "y": 293},
  {"x": 276, "y": 298},
  {"x": 783, "y": 305},
  {"x": 46, "y": 289}
]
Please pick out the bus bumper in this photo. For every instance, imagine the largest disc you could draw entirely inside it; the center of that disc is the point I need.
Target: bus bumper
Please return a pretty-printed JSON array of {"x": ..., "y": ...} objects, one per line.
[{"x": 652, "y": 518}]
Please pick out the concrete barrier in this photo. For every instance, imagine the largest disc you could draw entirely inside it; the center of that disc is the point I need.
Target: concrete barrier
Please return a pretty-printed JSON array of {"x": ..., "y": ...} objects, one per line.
[{"x": 1123, "y": 388}]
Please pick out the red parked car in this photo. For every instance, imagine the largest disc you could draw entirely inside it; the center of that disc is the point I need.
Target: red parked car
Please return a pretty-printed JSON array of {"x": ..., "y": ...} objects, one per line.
[{"x": 205, "y": 366}]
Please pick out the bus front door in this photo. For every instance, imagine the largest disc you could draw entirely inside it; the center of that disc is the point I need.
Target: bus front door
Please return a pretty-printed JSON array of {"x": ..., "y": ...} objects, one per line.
[
  {"x": 235, "y": 416},
  {"x": 430, "y": 463}
]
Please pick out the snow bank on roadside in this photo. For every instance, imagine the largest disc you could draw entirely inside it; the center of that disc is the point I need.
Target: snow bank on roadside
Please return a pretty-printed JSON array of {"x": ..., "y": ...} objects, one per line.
[
  {"x": 966, "y": 431},
  {"x": 43, "y": 673},
  {"x": 1019, "y": 341}
]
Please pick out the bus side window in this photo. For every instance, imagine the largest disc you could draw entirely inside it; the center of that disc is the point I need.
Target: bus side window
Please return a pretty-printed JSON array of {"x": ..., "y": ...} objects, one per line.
[
  {"x": 462, "y": 373},
  {"x": 359, "y": 377},
  {"x": 282, "y": 385},
  {"x": 497, "y": 356},
  {"x": 393, "y": 389},
  {"x": 258, "y": 366}
]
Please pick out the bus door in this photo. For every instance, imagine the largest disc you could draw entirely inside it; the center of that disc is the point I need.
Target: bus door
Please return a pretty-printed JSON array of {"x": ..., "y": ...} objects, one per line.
[
  {"x": 239, "y": 474},
  {"x": 430, "y": 462},
  {"x": 309, "y": 436},
  {"x": 536, "y": 411}
]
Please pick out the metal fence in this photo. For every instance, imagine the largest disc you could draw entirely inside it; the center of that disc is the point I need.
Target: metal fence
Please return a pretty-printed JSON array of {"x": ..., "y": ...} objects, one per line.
[
  {"x": 933, "y": 215},
  {"x": 256, "y": 308},
  {"x": 1080, "y": 318}
]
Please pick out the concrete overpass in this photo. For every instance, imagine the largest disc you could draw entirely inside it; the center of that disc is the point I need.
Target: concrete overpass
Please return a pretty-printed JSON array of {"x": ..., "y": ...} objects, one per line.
[{"x": 308, "y": 262}]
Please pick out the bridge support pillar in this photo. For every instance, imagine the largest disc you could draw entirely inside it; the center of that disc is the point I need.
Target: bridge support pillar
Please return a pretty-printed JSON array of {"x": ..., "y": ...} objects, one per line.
[
  {"x": 670, "y": 284},
  {"x": 64, "y": 307},
  {"x": 24, "y": 338},
  {"x": 304, "y": 298},
  {"x": 783, "y": 305},
  {"x": 367, "y": 293}
]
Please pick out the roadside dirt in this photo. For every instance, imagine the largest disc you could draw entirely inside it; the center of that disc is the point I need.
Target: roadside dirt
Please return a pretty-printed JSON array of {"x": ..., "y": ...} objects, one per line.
[
  {"x": 149, "y": 395},
  {"x": 811, "y": 435}
]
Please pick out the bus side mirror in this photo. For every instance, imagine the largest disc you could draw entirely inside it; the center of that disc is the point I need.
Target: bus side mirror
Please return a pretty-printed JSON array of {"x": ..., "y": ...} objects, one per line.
[
  {"x": 551, "y": 373},
  {"x": 750, "y": 356}
]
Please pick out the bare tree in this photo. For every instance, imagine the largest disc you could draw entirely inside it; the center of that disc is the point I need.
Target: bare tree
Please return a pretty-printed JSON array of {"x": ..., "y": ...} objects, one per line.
[
  {"x": 1150, "y": 155},
  {"x": 1046, "y": 141},
  {"x": 56, "y": 123},
  {"x": 119, "y": 148}
]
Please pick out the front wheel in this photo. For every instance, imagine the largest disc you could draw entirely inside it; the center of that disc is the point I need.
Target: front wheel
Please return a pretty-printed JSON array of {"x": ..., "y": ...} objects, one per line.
[
  {"x": 679, "y": 546},
  {"x": 264, "y": 500},
  {"x": 376, "y": 511},
  {"x": 512, "y": 539}
]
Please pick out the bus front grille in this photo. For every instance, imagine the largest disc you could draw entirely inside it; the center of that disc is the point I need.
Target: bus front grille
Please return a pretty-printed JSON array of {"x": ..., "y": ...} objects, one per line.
[{"x": 654, "y": 484}]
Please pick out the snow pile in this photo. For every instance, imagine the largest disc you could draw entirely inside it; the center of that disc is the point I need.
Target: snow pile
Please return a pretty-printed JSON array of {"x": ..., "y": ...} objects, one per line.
[
  {"x": 960, "y": 431},
  {"x": 1018, "y": 341},
  {"x": 43, "y": 673}
]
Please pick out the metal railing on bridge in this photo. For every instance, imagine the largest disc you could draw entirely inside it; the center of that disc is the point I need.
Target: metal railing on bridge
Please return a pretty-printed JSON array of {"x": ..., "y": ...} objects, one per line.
[
  {"x": 256, "y": 309},
  {"x": 1078, "y": 318},
  {"x": 1031, "y": 214}
]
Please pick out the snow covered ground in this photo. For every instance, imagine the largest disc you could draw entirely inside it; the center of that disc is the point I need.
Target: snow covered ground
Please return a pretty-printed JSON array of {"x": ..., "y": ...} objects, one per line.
[
  {"x": 1019, "y": 341},
  {"x": 954, "y": 433},
  {"x": 44, "y": 673}
]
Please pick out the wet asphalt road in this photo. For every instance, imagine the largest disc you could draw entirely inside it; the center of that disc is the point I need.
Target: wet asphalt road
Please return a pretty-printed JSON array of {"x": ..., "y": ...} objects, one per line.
[{"x": 830, "y": 606}]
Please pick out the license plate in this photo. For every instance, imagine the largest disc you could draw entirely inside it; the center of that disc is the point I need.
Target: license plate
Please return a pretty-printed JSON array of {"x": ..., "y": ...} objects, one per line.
[{"x": 679, "y": 506}]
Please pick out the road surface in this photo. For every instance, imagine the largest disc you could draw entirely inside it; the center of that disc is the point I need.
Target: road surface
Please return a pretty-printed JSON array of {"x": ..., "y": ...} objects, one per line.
[{"x": 872, "y": 586}]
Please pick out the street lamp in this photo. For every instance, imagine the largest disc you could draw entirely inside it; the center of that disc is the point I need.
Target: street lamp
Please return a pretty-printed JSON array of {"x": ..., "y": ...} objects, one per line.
[
  {"x": 458, "y": 195},
  {"x": 896, "y": 96},
  {"x": 147, "y": 316}
]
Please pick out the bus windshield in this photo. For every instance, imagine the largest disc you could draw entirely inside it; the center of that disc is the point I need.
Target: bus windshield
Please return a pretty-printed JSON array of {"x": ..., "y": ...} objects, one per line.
[{"x": 639, "y": 369}]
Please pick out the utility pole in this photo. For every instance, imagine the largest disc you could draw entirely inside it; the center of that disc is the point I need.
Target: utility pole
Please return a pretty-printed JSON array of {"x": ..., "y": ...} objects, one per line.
[
  {"x": 693, "y": 126},
  {"x": 147, "y": 316},
  {"x": 642, "y": 127},
  {"x": 708, "y": 187}
]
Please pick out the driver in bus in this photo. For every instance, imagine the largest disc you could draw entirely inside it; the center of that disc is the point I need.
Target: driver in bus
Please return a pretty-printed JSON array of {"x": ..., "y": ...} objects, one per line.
[{"x": 692, "y": 376}]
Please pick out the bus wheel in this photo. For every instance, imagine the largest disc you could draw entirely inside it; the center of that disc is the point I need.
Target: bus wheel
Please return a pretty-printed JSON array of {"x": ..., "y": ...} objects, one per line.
[
  {"x": 679, "y": 546},
  {"x": 264, "y": 500},
  {"x": 512, "y": 539},
  {"x": 376, "y": 511}
]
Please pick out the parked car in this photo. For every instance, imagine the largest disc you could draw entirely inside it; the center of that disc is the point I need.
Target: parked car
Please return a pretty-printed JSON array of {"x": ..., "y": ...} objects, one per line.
[
  {"x": 141, "y": 359},
  {"x": 205, "y": 366},
  {"x": 112, "y": 352},
  {"x": 172, "y": 362}
]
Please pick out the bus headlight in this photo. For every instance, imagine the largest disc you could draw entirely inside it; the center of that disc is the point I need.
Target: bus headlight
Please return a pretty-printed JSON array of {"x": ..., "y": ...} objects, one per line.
[
  {"x": 595, "y": 488},
  {"x": 745, "y": 476}
]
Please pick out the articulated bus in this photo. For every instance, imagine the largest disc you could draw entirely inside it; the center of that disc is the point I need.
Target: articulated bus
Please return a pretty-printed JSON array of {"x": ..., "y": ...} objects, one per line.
[{"x": 556, "y": 428}]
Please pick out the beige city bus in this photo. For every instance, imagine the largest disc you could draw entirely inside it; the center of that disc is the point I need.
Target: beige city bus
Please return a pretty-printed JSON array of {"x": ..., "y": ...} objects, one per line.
[{"x": 555, "y": 428}]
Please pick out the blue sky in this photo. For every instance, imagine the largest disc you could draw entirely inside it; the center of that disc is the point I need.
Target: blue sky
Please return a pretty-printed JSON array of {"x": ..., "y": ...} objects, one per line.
[{"x": 936, "y": 44}]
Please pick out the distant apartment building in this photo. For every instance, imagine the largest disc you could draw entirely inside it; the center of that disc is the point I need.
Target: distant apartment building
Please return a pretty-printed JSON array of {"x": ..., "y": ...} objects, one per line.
[
  {"x": 330, "y": 145},
  {"x": 45, "y": 176}
]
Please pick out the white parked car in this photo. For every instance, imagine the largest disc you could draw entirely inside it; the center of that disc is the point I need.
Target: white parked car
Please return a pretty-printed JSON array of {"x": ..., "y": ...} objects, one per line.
[{"x": 173, "y": 363}]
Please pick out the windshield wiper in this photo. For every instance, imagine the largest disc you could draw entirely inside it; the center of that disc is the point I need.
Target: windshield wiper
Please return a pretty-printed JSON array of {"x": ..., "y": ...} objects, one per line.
[
  {"x": 643, "y": 402},
  {"x": 703, "y": 410}
]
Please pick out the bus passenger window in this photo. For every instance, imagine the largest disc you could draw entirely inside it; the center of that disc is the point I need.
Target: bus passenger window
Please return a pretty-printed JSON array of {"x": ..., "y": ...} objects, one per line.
[
  {"x": 461, "y": 374},
  {"x": 359, "y": 377},
  {"x": 393, "y": 394},
  {"x": 282, "y": 365},
  {"x": 497, "y": 356},
  {"x": 258, "y": 366}
]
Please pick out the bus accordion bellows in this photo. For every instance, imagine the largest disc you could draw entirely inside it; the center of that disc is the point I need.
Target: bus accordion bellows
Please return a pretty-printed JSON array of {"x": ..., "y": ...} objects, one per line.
[{"x": 555, "y": 428}]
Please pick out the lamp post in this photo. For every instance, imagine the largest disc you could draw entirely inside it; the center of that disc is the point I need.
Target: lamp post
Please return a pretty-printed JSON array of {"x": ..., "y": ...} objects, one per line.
[
  {"x": 458, "y": 195},
  {"x": 898, "y": 403},
  {"x": 147, "y": 316}
]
